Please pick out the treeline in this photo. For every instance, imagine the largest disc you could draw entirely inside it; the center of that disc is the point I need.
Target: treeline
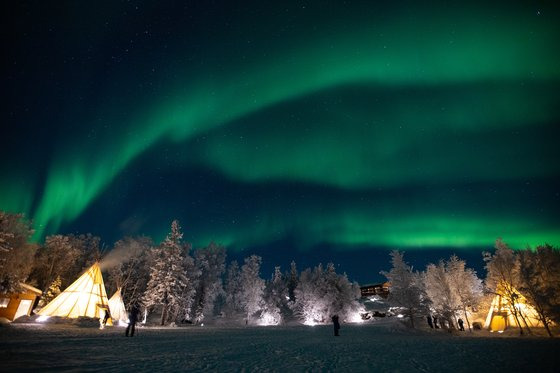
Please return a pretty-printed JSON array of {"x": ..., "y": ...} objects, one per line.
[
  {"x": 449, "y": 290},
  {"x": 178, "y": 284},
  {"x": 174, "y": 282}
]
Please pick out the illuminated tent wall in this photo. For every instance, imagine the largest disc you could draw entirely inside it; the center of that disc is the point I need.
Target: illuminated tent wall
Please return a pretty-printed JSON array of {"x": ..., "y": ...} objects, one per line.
[
  {"x": 500, "y": 316},
  {"x": 85, "y": 297},
  {"x": 116, "y": 306}
]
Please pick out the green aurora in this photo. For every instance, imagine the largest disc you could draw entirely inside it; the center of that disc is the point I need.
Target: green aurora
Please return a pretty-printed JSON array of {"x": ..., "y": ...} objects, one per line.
[{"x": 381, "y": 103}]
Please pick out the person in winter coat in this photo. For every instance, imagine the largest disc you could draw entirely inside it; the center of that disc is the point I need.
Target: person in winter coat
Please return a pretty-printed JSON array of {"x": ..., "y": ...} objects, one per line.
[
  {"x": 429, "y": 318},
  {"x": 103, "y": 320},
  {"x": 336, "y": 325},
  {"x": 132, "y": 319},
  {"x": 106, "y": 317},
  {"x": 461, "y": 326}
]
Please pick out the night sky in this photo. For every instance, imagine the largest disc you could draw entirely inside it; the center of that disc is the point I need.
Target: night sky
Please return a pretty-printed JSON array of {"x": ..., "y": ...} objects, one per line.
[{"x": 315, "y": 131}]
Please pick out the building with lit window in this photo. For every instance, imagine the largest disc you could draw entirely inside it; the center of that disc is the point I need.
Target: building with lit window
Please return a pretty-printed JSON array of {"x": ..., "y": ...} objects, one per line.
[
  {"x": 18, "y": 304},
  {"x": 375, "y": 289}
]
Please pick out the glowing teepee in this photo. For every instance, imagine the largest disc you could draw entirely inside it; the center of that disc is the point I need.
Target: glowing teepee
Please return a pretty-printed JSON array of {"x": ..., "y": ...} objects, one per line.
[
  {"x": 116, "y": 306},
  {"x": 500, "y": 316},
  {"x": 85, "y": 297}
]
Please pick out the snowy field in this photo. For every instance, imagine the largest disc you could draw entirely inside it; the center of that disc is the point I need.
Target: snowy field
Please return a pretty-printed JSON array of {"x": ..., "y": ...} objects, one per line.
[{"x": 381, "y": 347}]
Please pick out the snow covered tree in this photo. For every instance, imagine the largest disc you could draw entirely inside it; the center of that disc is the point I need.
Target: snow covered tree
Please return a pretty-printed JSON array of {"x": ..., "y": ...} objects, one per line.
[
  {"x": 539, "y": 272},
  {"x": 452, "y": 289},
  {"x": 292, "y": 281},
  {"x": 275, "y": 299},
  {"x": 16, "y": 253},
  {"x": 502, "y": 277},
  {"x": 210, "y": 262},
  {"x": 129, "y": 269},
  {"x": 56, "y": 258},
  {"x": 252, "y": 287},
  {"x": 310, "y": 304},
  {"x": 466, "y": 285},
  {"x": 443, "y": 299},
  {"x": 406, "y": 289},
  {"x": 342, "y": 295},
  {"x": 52, "y": 292},
  {"x": 192, "y": 274},
  {"x": 89, "y": 251},
  {"x": 169, "y": 287},
  {"x": 233, "y": 289},
  {"x": 321, "y": 294}
]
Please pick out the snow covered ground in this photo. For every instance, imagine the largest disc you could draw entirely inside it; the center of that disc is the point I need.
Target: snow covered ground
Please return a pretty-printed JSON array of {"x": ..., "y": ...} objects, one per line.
[{"x": 381, "y": 346}]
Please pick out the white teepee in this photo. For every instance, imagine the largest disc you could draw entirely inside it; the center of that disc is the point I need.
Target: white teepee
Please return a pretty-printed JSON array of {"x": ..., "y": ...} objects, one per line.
[
  {"x": 116, "y": 306},
  {"x": 85, "y": 297}
]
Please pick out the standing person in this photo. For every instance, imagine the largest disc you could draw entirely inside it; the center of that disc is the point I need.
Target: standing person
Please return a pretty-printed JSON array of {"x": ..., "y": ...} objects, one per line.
[
  {"x": 103, "y": 320},
  {"x": 336, "y": 325},
  {"x": 461, "y": 326},
  {"x": 132, "y": 319},
  {"x": 429, "y": 318},
  {"x": 106, "y": 317},
  {"x": 436, "y": 325}
]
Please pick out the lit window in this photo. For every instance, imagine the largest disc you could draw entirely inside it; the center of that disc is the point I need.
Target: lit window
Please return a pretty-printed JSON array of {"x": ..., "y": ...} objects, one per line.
[{"x": 4, "y": 302}]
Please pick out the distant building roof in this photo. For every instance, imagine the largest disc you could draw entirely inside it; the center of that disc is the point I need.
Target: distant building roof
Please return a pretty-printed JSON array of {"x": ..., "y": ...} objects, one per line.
[
  {"x": 380, "y": 284},
  {"x": 31, "y": 288}
]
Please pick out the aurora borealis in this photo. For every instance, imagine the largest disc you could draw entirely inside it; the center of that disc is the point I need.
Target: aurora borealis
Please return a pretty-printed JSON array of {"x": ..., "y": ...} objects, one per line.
[{"x": 360, "y": 126}]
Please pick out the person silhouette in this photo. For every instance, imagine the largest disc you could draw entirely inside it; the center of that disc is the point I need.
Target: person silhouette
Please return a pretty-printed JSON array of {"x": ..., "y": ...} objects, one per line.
[
  {"x": 132, "y": 319},
  {"x": 336, "y": 325},
  {"x": 461, "y": 326},
  {"x": 106, "y": 317},
  {"x": 429, "y": 318}
]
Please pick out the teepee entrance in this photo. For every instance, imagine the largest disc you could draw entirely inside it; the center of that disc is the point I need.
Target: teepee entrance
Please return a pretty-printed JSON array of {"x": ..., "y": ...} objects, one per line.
[{"x": 84, "y": 297}]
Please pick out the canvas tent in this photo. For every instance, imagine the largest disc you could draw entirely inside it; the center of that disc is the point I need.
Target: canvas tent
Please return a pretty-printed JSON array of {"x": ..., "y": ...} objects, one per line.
[
  {"x": 116, "y": 306},
  {"x": 85, "y": 297},
  {"x": 500, "y": 315}
]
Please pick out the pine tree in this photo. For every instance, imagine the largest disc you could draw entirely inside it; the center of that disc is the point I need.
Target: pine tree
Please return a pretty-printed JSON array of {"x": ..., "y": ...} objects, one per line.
[
  {"x": 275, "y": 299},
  {"x": 192, "y": 275},
  {"x": 210, "y": 262},
  {"x": 52, "y": 292},
  {"x": 233, "y": 289},
  {"x": 406, "y": 289},
  {"x": 310, "y": 304},
  {"x": 342, "y": 295},
  {"x": 169, "y": 287},
  {"x": 252, "y": 287},
  {"x": 292, "y": 281}
]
